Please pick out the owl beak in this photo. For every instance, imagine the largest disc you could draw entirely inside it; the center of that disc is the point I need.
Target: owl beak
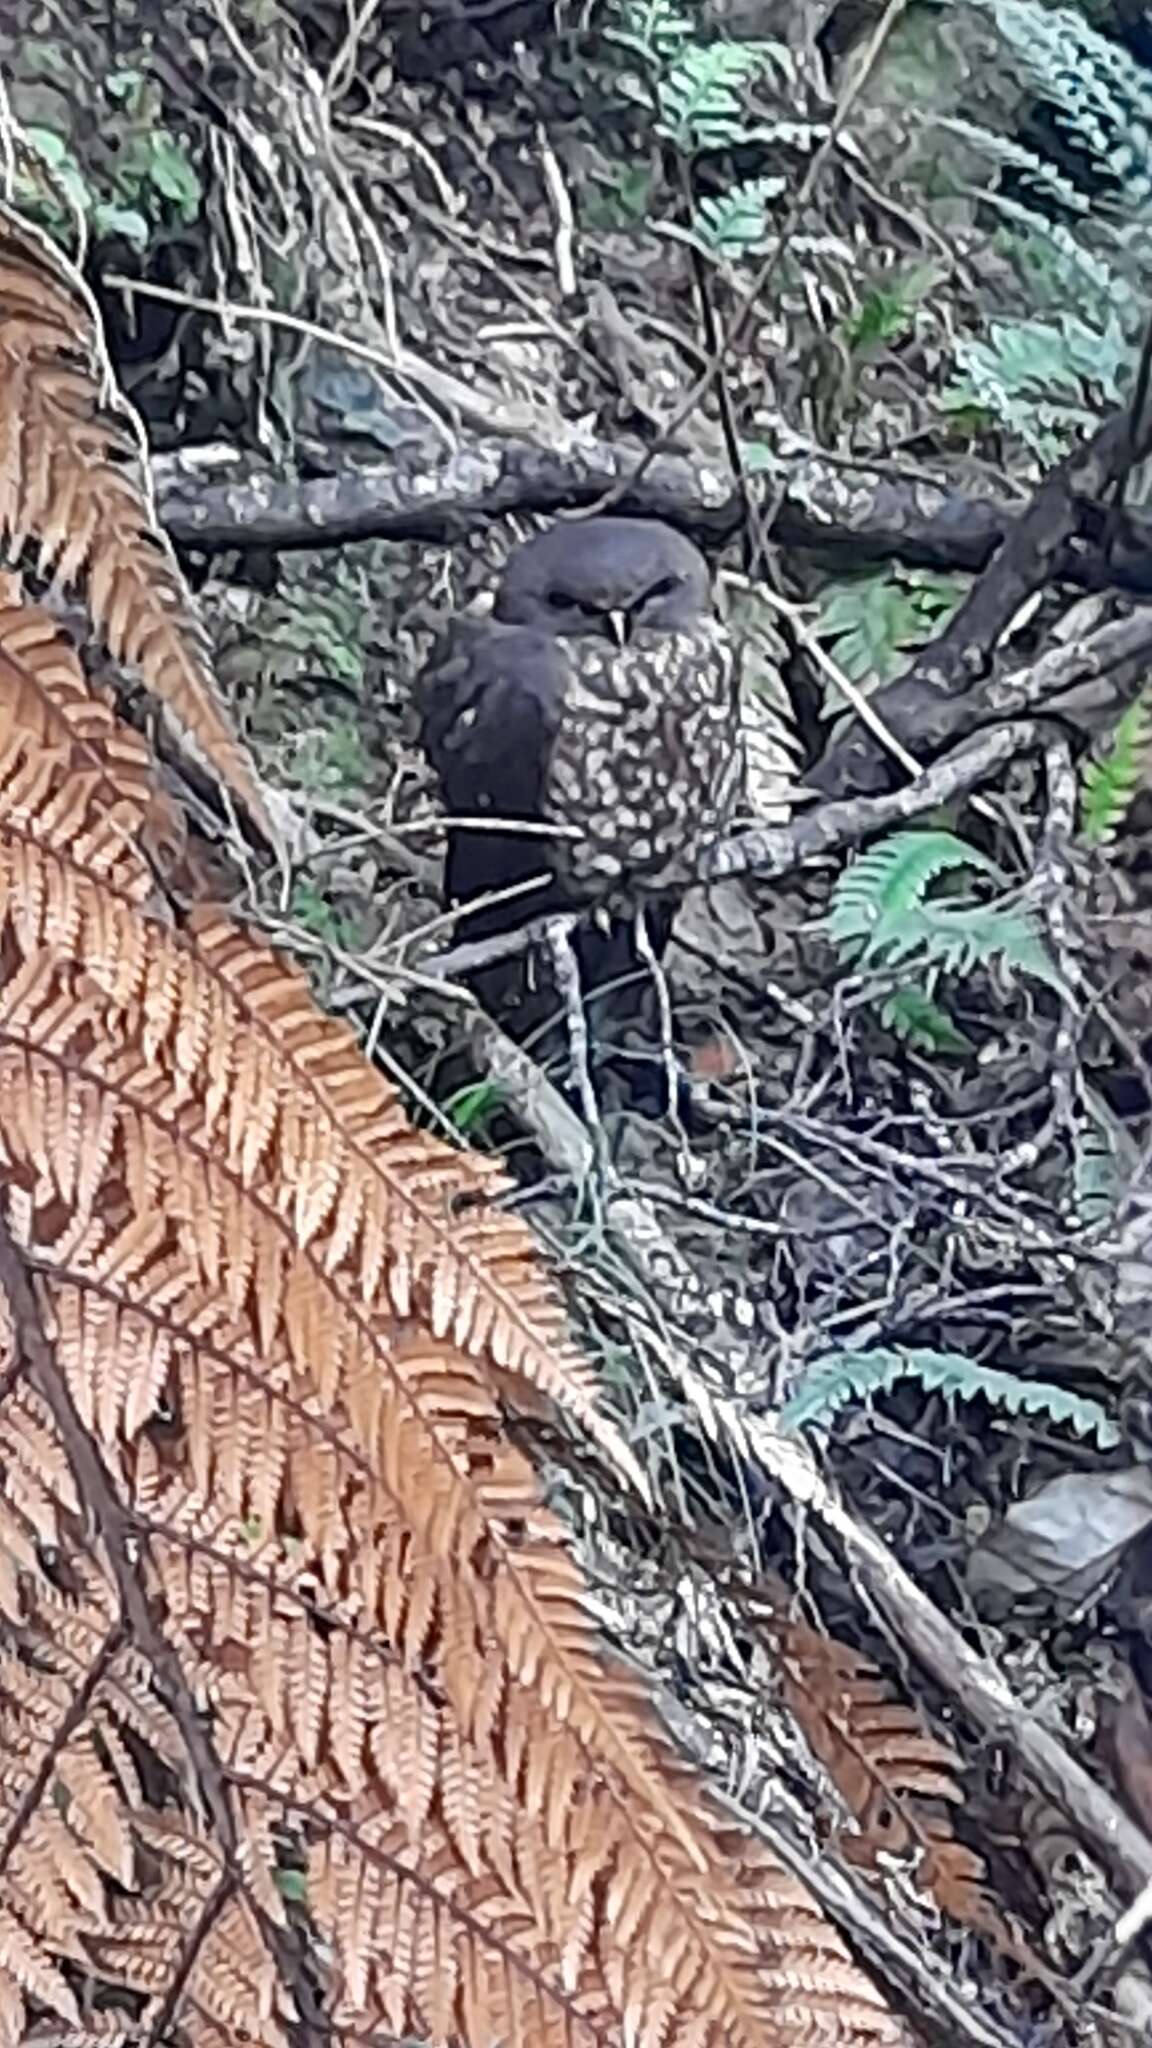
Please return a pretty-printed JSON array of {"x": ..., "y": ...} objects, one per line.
[{"x": 619, "y": 627}]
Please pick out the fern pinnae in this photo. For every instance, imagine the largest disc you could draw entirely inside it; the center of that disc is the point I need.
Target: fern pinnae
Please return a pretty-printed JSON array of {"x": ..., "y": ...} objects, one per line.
[
  {"x": 735, "y": 222},
  {"x": 1099, "y": 91},
  {"x": 541, "y": 1618},
  {"x": 700, "y": 106},
  {"x": 880, "y": 913},
  {"x": 882, "y": 888},
  {"x": 914, "y": 1015},
  {"x": 1109, "y": 784},
  {"x": 843, "y": 1376},
  {"x": 655, "y": 29},
  {"x": 61, "y": 447},
  {"x": 1103, "y": 1158}
]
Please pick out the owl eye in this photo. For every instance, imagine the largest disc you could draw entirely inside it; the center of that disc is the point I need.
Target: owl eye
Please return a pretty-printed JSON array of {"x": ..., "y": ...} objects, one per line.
[
  {"x": 664, "y": 588},
  {"x": 560, "y": 601}
]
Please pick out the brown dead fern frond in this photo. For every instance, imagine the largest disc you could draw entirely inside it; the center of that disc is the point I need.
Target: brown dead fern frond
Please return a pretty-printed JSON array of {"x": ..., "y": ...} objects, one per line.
[
  {"x": 897, "y": 1780},
  {"x": 61, "y": 733},
  {"x": 68, "y": 489},
  {"x": 302, "y": 1676}
]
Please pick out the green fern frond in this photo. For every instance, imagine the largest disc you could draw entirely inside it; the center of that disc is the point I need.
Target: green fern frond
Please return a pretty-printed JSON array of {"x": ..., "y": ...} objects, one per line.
[
  {"x": 696, "y": 84},
  {"x": 1101, "y": 97},
  {"x": 879, "y": 913},
  {"x": 880, "y": 889},
  {"x": 911, "y": 1015},
  {"x": 700, "y": 106},
  {"x": 856, "y": 1375},
  {"x": 736, "y": 221},
  {"x": 959, "y": 941},
  {"x": 655, "y": 29},
  {"x": 1107, "y": 786},
  {"x": 1038, "y": 378},
  {"x": 1103, "y": 1156},
  {"x": 1058, "y": 274},
  {"x": 873, "y": 622}
]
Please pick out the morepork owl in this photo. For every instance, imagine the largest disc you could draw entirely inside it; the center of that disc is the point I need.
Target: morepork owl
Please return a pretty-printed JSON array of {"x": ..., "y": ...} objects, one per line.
[{"x": 597, "y": 700}]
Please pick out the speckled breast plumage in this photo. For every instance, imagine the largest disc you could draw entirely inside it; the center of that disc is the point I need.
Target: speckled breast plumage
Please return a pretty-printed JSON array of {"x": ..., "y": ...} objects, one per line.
[{"x": 646, "y": 764}]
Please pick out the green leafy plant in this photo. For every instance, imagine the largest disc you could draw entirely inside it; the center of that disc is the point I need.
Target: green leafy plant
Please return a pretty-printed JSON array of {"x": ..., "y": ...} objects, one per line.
[
  {"x": 1077, "y": 261},
  {"x": 50, "y": 188},
  {"x": 331, "y": 757},
  {"x": 873, "y": 622},
  {"x": 151, "y": 160},
  {"x": 696, "y": 91},
  {"x": 655, "y": 29},
  {"x": 471, "y": 1107},
  {"x": 153, "y": 173},
  {"x": 1095, "y": 93},
  {"x": 1104, "y": 1158},
  {"x": 292, "y": 1885},
  {"x": 1108, "y": 784},
  {"x": 913, "y": 1016},
  {"x": 64, "y": 174},
  {"x": 886, "y": 309},
  {"x": 1083, "y": 266},
  {"x": 845, "y": 1376},
  {"x": 881, "y": 915},
  {"x": 735, "y": 222},
  {"x": 624, "y": 201},
  {"x": 693, "y": 86},
  {"x": 314, "y": 913},
  {"x": 698, "y": 95},
  {"x": 1041, "y": 379}
]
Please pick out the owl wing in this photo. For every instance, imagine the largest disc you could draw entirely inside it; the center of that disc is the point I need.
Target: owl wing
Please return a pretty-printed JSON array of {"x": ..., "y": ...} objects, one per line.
[{"x": 490, "y": 702}]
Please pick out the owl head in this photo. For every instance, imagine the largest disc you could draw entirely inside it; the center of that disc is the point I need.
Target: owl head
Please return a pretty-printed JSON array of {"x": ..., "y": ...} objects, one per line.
[{"x": 605, "y": 576}]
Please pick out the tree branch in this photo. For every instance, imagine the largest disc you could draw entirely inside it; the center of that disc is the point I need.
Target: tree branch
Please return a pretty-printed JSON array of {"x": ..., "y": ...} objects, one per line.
[
  {"x": 1034, "y": 554},
  {"x": 212, "y": 500}
]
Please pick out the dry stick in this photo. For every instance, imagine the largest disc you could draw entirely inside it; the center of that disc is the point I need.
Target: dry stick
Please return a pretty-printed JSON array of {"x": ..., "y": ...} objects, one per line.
[
  {"x": 1109, "y": 1955},
  {"x": 565, "y": 218},
  {"x": 659, "y": 980},
  {"x": 123, "y": 1545},
  {"x": 567, "y": 971}
]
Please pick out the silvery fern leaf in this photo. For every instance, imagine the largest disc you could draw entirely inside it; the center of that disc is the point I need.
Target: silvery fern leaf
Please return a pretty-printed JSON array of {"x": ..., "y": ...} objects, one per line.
[
  {"x": 843, "y": 1376},
  {"x": 880, "y": 915}
]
